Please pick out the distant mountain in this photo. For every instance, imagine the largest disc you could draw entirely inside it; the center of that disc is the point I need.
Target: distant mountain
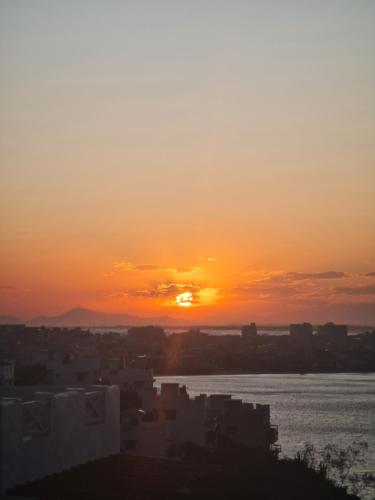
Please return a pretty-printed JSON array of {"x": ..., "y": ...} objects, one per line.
[
  {"x": 10, "y": 320},
  {"x": 85, "y": 317}
]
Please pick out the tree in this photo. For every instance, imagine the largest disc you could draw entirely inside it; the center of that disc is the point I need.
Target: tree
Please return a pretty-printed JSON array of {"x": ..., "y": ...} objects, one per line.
[{"x": 340, "y": 465}]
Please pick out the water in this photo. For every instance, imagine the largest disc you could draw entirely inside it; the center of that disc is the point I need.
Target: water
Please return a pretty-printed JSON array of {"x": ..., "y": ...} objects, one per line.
[
  {"x": 314, "y": 408},
  {"x": 352, "y": 330}
]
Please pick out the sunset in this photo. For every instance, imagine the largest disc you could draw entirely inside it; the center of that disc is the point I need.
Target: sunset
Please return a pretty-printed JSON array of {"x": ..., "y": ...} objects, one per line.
[
  {"x": 185, "y": 149},
  {"x": 188, "y": 192}
]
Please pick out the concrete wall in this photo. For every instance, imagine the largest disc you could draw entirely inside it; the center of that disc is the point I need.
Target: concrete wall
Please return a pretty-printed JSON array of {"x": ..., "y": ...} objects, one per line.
[
  {"x": 140, "y": 380},
  {"x": 179, "y": 419},
  {"x": 65, "y": 367},
  {"x": 56, "y": 430},
  {"x": 243, "y": 423}
]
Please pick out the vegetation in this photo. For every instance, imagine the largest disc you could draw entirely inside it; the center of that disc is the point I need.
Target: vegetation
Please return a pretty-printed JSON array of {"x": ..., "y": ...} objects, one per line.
[
  {"x": 339, "y": 465},
  {"x": 249, "y": 474}
]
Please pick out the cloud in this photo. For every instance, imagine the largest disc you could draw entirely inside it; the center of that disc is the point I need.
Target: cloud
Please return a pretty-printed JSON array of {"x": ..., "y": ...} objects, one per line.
[
  {"x": 268, "y": 284},
  {"x": 326, "y": 275},
  {"x": 272, "y": 276},
  {"x": 202, "y": 295},
  {"x": 359, "y": 290},
  {"x": 369, "y": 275},
  {"x": 8, "y": 288},
  {"x": 117, "y": 295},
  {"x": 169, "y": 289},
  {"x": 208, "y": 259},
  {"x": 263, "y": 290},
  {"x": 4, "y": 288},
  {"x": 207, "y": 296},
  {"x": 262, "y": 275},
  {"x": 130, "y": 266}
]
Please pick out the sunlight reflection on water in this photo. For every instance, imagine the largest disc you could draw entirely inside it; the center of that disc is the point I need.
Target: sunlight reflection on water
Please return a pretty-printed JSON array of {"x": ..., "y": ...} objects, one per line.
[{"x": 315, "y": 408}]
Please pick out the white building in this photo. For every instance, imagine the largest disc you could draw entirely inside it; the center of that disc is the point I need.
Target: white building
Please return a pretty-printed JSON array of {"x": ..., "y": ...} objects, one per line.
[
  {"x": 246, "y": 424},
  {"x": 139, "y": 380},
  {"x": 66, "y": 367},
  {"x": 174, "y": 420},
  {"x": 56, "y": 428},
  {"x": 177, "y": 419}
]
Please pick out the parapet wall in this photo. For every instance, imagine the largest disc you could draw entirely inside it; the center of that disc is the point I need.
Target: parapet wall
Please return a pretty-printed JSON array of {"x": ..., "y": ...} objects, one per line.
[{"x": 54, "y": 431}]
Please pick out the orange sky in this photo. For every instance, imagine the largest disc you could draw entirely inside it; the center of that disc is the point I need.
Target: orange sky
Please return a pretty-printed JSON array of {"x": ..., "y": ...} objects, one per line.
[{"x": 148, "y": 152}]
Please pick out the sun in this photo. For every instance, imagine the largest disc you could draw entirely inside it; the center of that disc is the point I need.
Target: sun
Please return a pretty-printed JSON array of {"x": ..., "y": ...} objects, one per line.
[{"x": 184, "y": 299}]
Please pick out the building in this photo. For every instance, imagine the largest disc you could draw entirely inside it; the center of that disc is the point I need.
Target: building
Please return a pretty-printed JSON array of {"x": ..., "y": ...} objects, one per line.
[
  {"x": 330, "y": 331},
  {"x": 174, "y": 420},
  {"x": 245, "y": 424},
  {"x": 7, "y": 371},
  {"x": 177, "y": 419},
  {"x": 147, "y": 334},
  {"x": 249, "y": 330},
  {"x": 65, "y": 366},
  {"x": 301, "y": 330},
  {"x": 54, "y": 429},
  {"x": 139, "y": 380}
]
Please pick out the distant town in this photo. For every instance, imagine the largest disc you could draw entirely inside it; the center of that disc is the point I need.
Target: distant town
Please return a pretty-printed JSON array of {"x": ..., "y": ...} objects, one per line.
[
  {"x": 74, "y": 398},
  {"x": 31, "y": 351}
]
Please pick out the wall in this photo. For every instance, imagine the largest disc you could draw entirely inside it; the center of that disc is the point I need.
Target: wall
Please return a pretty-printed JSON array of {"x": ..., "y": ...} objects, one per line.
[{"x": 56, "y": 430}]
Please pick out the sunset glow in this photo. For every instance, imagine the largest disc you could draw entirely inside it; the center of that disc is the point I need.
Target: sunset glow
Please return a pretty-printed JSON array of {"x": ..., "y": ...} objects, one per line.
[
  {"x": 184, "y": 299},
  {"x": 198, "y": 157}
]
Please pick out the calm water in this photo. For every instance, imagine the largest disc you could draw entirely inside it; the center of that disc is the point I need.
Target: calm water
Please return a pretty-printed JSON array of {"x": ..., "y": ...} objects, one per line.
[
  {"x": 315, "y": 408},
  {"x": 352, "y": 330}
]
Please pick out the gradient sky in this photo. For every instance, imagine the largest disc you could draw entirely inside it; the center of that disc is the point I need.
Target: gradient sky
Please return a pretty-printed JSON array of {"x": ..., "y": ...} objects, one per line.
[{"x": 225, "y": 149}]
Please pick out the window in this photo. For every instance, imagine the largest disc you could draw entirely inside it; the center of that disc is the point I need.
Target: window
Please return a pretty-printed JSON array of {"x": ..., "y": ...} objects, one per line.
[
  {"x": 170, "y": 414},
  {"x": 151, "y": 416},
  {"x": 81, "y": 376},
  {"x": 231, "y": 429},
  {"x": 130, "y": 444}
]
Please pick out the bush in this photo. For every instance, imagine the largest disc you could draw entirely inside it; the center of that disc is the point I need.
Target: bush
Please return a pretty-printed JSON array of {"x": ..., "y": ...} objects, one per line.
[{"x": 339, "y": 465}]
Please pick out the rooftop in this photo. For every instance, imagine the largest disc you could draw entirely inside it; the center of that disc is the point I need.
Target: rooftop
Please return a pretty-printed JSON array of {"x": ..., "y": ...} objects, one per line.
[{"x": 120, "y": 477}]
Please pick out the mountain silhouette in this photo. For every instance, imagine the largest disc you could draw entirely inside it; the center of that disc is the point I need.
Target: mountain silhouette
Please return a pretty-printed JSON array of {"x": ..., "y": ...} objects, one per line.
[
  {"x": 9, "y": 320},
  {"x": 80, "y": 316}
]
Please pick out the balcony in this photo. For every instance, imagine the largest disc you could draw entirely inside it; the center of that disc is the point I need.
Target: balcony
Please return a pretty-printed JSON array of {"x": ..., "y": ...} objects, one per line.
[
  {"x": 275, "y": 449},
  {"x": 273, "y": 433}
]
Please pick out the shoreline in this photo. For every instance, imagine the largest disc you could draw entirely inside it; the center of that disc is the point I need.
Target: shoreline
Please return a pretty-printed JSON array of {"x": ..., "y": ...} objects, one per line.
[{"x": 319, "y": 372}]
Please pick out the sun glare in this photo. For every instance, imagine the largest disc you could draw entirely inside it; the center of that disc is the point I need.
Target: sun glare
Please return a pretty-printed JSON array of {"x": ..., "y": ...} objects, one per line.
[{"x": 184, "y": 299}]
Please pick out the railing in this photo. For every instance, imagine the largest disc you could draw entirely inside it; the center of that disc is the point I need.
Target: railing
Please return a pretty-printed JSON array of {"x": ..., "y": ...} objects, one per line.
[
  {"x": 273, "y": 433},
  {"x": 36, "y": 418},
  {"x": 95, "y": 407},
  {"x": 275, "y": 448}
]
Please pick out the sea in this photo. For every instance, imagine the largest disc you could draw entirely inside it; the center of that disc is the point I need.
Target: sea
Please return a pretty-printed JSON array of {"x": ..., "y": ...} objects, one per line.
[
  {"x": 266, "y": 330},
  {"x": 313, "y": 408}
]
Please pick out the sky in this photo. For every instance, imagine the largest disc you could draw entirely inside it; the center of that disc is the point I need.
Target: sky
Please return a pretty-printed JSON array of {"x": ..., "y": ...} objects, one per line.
[{"x": 224, "y": 150}]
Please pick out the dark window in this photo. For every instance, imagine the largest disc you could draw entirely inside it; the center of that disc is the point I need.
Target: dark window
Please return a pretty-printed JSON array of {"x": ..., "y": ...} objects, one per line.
[
  {"x": 151, "y": 416},
  {"x": 231, "y": 429},
  {"x": 81, "y": 376},
  {"x": 170, "y": 414},
  {"x": 130, "y": 444}
]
